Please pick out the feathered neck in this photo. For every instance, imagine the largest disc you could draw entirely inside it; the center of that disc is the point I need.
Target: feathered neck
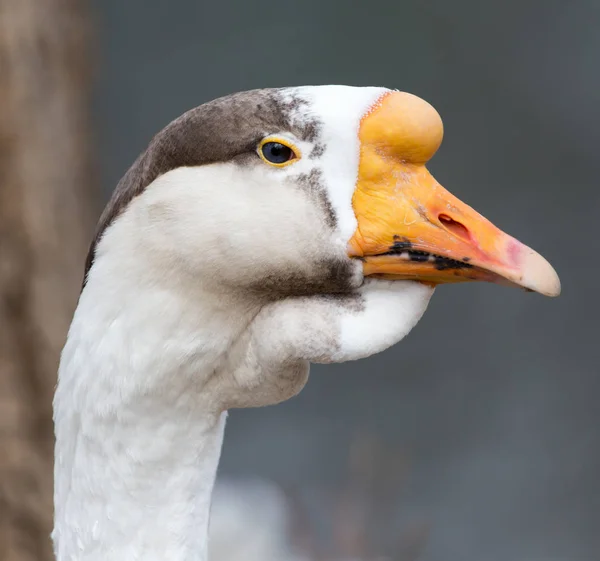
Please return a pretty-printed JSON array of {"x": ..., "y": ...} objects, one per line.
[
  {"x": 155, "y": 354},
  {"x": 138, "y": 436}
]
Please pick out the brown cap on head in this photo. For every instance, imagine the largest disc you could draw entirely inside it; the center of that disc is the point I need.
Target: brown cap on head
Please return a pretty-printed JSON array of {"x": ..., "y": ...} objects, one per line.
[{"x": 221, "y": 130}]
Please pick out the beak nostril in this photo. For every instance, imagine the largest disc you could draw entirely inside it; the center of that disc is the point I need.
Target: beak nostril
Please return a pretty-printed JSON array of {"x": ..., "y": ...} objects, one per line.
[{"x": 455, "y": 227}]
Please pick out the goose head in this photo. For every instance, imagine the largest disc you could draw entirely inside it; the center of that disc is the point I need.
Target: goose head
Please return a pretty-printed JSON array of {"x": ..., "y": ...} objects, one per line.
[{"x": 303, "y": 191}]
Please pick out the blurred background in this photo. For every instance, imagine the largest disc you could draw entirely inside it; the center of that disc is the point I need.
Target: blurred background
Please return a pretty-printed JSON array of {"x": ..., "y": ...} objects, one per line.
[{"x": 478, "y": 436}]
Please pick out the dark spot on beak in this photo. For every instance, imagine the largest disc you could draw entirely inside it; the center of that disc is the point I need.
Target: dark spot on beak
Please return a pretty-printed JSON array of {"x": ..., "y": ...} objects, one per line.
[
  {"x": 400, "y": 244},
  {"x": 418, "y": 256},
  {"x": 444, "y": 264}
]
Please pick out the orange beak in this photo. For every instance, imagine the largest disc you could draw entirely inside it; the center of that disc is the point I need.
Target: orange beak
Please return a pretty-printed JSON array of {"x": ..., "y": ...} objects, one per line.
[{"x": 410, "y": 227}]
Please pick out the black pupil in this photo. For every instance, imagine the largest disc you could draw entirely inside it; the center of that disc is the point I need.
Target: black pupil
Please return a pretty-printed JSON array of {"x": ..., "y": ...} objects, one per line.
[{"x": 277, "y": 153}]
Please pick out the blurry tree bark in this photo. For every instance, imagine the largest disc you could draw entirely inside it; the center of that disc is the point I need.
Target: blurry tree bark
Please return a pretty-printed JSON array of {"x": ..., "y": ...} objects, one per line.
[{"x": 46, "y": 209}]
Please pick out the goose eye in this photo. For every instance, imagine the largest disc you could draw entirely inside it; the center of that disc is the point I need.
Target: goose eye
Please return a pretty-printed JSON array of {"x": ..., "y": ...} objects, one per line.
[{"x": 276, "y": 153}]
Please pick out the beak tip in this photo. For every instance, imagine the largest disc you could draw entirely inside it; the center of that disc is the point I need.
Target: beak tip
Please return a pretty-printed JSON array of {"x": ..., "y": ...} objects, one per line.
[{"x": 539, "y": 275}]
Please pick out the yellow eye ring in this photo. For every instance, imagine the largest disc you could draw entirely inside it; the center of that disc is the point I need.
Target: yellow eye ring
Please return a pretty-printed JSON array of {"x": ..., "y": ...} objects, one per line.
[{"x": 277, "y": 152}]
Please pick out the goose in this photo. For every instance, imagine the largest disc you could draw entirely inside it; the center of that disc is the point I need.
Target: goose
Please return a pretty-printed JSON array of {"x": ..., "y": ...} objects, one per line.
[{"x": 256, "y": 234}]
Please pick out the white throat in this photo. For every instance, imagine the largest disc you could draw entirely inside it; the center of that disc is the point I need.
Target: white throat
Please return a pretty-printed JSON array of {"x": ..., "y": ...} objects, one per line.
[{"x": 138, "y": 438}]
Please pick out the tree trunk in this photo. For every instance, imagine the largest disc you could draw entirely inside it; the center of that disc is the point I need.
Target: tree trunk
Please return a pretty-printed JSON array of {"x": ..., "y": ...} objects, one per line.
[{"x": 46, "y": 209}]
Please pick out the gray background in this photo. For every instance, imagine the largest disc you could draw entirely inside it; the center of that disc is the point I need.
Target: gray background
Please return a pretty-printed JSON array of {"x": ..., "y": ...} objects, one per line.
[{"x": 494, "y": 396}]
